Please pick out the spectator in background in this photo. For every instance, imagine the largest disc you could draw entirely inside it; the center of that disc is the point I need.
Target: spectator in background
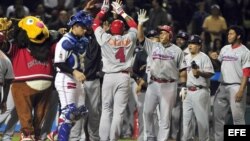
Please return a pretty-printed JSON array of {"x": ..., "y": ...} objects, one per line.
[
  {"x": 232, "y": 11},
  {"x": 2, "y": 12},
  {"x": 50, "y": 5},
  {"x": 215, "y": 25},
  {"x": 198, "y": 19},
  {"x": 42, "y": 14},
  {"x": 181, "y": 11},
  {"x": 131, "y": 9},
  {"x": 61, "y": 21},
  {"x": 18, "y": 10},
  {"x": 158, "y": 16},
  {"x": 246, "y": 20}
]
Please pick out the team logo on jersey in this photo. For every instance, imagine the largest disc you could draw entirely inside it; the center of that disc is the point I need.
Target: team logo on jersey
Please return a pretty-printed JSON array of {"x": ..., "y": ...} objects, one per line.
[{"x": 229, "y": 58}]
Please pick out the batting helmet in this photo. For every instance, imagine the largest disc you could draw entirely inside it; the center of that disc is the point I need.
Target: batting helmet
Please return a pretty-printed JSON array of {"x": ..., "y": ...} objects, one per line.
[
  {"x": 195, "y": 39},
  {"x": 167, "y": 29},
  {"x": 82, "y": 18},
  {"x": 117, "y": 27}
]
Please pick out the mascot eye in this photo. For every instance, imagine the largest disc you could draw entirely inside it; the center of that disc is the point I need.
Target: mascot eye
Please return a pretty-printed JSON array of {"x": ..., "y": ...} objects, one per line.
[{"x": 29, "y": 21}]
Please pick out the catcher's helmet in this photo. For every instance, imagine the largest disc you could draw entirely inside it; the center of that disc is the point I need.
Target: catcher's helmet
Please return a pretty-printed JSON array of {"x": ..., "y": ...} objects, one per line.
[
  {"x": 82, "y": 18},
  {"x": 167, "y": 29},
  {"x": 117, "y": 27}
]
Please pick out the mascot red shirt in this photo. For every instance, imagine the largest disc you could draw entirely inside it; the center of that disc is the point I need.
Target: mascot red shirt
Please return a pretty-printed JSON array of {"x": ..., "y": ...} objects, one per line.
[{"x": 31, "y": 53}]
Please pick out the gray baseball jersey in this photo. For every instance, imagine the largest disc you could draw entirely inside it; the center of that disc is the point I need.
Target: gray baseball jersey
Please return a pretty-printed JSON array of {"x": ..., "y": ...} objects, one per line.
[
  {"x": 164, "y": 58},
  {"x": 205, "y": 65},
  {"x": 233, "y": 61},
  {"x": 5, "y": 68},
  {"x": 197, "y": 102},
  {"x": 117, "y": 51},
  {"x": 239, "y": 58}
]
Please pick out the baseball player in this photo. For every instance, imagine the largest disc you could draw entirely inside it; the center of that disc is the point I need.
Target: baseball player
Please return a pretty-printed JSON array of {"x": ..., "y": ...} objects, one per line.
[
  {"x": 6, "y": 104},
  {"x": 231, "y": 94},
  {"x": 197, "y": 101},
  {"x": 181, "y": 41},
  {"x": 69, "y": 78},
  {"x": 117, "y": 56},
  {"x": 167, "y": 66}
]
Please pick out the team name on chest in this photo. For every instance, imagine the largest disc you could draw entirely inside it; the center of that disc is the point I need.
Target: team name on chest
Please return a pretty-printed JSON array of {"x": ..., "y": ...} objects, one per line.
[{"x": 34, "y": 62}]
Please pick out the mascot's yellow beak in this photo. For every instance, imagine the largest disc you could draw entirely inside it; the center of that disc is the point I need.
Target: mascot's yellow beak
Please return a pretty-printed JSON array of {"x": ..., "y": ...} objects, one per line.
[{"x": 35, "y": 29}]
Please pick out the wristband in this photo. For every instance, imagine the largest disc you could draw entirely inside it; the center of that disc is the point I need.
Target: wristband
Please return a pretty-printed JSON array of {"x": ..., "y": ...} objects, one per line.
[{"x": 124, "y": 15}]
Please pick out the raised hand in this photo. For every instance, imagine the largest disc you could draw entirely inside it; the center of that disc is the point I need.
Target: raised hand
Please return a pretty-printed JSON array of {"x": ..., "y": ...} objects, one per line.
[
  {"x": 89, "y": 5},
  {"x": 142, "y": 16},
  {"x": 105, "y": 5},
  {"x": 117, "y": 7}
]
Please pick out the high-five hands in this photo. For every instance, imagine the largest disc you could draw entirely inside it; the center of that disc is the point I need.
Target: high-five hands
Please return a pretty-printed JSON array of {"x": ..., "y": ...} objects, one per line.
[
  {"x": 105, "y": 5},
  {"x": 117, "y": 7},
  {"x": 142, "y": 16}
]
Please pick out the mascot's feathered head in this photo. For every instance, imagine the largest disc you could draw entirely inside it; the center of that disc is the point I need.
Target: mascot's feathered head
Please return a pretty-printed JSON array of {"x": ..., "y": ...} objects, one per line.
[
  {"x": 36, "y": 30},
  {"x": 30, "y": 32}
]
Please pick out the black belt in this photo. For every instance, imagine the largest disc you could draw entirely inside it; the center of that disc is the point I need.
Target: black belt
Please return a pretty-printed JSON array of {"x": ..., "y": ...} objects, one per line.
[
  {"x": 195, "y": 88},
  {"x": 222, "y": 83},
  {"x": 159, "y": 80}
]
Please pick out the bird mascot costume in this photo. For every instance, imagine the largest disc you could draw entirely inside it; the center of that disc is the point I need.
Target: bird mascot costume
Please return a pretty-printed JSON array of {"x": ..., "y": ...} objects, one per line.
[{"x": 31, "y": 51}]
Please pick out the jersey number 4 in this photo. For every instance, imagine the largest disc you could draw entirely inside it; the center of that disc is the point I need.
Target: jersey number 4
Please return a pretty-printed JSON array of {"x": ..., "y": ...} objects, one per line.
[{"x": 120, "y": 54}]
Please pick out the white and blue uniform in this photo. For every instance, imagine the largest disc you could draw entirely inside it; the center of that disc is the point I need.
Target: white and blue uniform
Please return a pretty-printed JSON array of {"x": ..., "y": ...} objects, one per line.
[{"x": 70, "y": 51}]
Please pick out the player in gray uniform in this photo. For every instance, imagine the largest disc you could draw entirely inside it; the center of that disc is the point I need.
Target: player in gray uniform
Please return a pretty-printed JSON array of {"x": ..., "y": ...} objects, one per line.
[
  {"x": 176, "y": 119},
  {"x": 6, "y": 103},
  {"x": 117, "y": 56},
  {"x": 231, "y": 94},
  {"x": 167, "y": 66},
  {"x": 197, "y": 101}
]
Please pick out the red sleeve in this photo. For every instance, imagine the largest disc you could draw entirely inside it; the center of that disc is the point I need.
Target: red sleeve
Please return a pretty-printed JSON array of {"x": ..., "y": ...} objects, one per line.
[
  {"x": 131, "y": 23},
  {"x": 98, "y": 20},
  {"x": 246, "y": 72}
]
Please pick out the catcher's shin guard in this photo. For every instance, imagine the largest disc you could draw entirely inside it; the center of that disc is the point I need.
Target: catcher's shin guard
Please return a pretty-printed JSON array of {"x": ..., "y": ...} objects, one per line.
[
  {"x": 64, "y": 131},
  {"x": 82, "y": 112}
]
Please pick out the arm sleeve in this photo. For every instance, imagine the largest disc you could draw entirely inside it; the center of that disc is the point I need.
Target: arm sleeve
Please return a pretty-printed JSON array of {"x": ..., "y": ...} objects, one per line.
[
  {"x": 64, "y": 68},
  {"x": 98, "y": 19}
]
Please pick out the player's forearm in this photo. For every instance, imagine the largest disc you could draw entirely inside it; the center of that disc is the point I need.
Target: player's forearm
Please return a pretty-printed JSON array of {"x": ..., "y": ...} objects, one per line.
[
  {"x": 205, "y": 74},
  {"x": 183, "y": 76},
  {"x": 243, "y": 83},
  {"x": 130, "y": 21},
  {"x": 140, "y": 33},
  {"x": 6, "y": 88}
]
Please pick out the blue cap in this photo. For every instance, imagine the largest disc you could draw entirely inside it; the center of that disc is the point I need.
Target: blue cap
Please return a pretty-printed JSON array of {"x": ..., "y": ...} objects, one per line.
[{"x": 195, "y": 39}]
